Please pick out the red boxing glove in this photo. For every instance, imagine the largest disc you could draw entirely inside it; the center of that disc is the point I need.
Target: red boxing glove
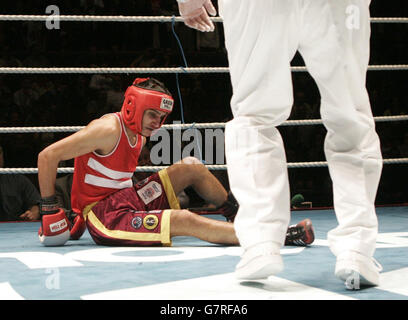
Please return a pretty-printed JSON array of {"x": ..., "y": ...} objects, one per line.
[
  {"x": 77, "y": 226},
  {"x": 54, "y": 230}
]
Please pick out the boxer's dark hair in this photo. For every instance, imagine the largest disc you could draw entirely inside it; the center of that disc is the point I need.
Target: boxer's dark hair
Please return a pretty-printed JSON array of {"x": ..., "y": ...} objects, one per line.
[{"x": 155, "y": 85}]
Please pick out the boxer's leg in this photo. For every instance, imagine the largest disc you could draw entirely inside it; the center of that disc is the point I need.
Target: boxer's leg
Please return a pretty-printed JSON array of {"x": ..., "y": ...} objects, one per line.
[
  {"x": 186, "y": 223},
  {"x": 125, "y": 227},
  {"x": 190, "y": 172}
]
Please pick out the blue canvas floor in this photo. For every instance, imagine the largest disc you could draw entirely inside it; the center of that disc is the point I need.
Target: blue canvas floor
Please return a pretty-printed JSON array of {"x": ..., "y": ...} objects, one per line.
[{"x": 192, "y": 269}]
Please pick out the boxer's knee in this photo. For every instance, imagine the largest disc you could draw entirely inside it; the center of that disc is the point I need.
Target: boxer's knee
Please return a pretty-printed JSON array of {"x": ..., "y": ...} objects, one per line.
[
  {"x": 192, "y": 169},
  {"x": 190, "y": 160}
]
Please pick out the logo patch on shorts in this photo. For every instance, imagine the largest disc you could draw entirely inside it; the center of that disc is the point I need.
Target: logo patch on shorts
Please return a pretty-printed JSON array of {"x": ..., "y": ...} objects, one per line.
[
  {"x": 137, "y": 222},
  {"x": 149, "y": 192},
  {"x": 150, "y": 221}
]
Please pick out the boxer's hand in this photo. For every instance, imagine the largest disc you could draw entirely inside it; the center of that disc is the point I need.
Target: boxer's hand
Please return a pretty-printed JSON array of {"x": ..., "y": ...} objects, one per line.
[
  {"x": 54, "y": 230},
  {"x": 195, "y": 14}
]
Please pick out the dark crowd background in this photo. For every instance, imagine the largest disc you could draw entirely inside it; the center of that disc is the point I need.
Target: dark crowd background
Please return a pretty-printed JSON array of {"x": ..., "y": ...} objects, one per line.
[{"x": 75, "y": 99}]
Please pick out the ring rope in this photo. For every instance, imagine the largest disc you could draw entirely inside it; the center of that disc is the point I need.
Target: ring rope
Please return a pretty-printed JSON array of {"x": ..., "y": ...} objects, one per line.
[
  {"x": 107, "y": 70},
  {"x": 119, "y": 18},
  {"x": 118, "y": 70},
  {"x": 291, "y": 165},
  {"x": 213, "y": 125}
]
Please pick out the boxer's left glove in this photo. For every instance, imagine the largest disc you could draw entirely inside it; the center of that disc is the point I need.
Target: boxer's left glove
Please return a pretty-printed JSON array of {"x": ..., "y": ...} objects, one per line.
[{"x": 54, "y": 230}]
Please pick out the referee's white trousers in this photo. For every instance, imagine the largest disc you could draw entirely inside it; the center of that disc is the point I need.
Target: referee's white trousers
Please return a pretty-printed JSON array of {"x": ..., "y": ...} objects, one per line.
[{"x": 262, "y": 36}]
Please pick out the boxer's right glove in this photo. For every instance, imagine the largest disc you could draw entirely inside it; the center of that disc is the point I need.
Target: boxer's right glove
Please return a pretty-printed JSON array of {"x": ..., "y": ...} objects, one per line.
[
  {"x": 54, "y": 230},
  {"x": 77, "y": 225}
]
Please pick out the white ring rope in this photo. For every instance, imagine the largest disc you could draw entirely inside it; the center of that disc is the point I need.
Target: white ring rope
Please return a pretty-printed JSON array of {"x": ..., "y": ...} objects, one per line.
[
  {"x": 107, "y": 70},
  {"x": 291, "y": 165},
  {"x": 95, "y": 18},
  {"x": 213, "y": 125},
  {"x": 191, "y": 70}
]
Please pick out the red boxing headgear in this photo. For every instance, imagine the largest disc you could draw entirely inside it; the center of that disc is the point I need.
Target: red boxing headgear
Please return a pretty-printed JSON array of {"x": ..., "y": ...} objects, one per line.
[{"x": 138, "y": 99}]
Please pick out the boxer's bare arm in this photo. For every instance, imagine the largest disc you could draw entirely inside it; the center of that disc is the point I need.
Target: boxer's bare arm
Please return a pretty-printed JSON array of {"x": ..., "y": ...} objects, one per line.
[{"x": 100, "y": 135}]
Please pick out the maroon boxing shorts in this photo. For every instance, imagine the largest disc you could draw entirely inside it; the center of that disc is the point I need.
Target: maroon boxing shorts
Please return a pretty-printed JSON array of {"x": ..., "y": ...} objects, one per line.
[{"x": 136, "y": 216}]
